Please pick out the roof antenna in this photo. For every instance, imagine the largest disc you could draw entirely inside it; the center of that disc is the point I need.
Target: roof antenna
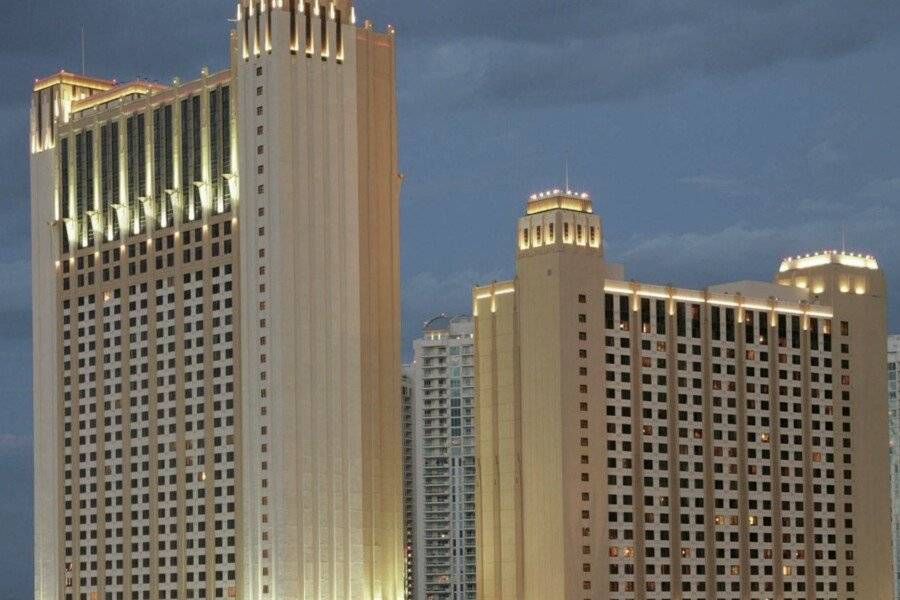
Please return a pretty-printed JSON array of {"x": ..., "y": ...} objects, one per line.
[
  {"x": 843, "y": 238},
  {"x": 567, "y": 172},
  {"x": 83, "y": 68}
]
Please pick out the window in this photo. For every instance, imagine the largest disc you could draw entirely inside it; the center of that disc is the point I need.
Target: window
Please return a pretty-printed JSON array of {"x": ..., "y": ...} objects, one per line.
[
  {"x": 259, "y": 111},
  {"x": 259, "y": 91},
  {"x": 259, "y": 71},
  {"x": 609, "y": 311}
]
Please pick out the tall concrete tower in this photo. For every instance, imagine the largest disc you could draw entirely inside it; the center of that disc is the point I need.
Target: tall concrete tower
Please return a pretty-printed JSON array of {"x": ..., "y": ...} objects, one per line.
[
  {"x": 216, "y": 309},
  {"x": 317, "y": 97}
]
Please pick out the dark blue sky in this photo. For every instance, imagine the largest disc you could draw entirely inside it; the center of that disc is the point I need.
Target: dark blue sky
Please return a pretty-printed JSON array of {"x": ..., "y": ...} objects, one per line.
[{"x": 716, "y": 137}]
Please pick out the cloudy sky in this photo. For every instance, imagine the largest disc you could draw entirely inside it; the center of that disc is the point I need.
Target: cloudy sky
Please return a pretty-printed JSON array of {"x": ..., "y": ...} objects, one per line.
[{"x": 716, "y": 136}]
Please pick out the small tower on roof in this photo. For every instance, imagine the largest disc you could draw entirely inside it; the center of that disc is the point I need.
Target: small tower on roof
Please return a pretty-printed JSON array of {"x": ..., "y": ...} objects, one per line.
[{"x": 560, "y": 220}]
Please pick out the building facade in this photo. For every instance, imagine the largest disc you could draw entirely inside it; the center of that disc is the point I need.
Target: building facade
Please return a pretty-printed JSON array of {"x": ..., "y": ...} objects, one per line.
[
  {"x": 443, "y": 430},
  {"x": 894, "y": 424},
  {"x": 641, "y": 442},
  {"x": 216, "y": 322}
]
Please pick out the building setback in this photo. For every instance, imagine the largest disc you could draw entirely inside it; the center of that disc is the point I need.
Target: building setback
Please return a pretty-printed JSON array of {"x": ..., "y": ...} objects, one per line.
[
  {"x": 648, "y": 442},
  {"x": 216, "y": 322},
  {"x": 443, "y": 419}
]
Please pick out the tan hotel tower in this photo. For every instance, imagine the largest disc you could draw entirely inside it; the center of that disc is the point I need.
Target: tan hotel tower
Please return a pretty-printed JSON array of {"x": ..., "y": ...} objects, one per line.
[
  {"x": 641, "y": 442},
  {"x": 216, "y": 322}
]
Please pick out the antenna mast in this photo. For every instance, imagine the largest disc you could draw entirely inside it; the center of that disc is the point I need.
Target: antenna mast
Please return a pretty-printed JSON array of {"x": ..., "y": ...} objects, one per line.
[{"x": 83, "y": 66}]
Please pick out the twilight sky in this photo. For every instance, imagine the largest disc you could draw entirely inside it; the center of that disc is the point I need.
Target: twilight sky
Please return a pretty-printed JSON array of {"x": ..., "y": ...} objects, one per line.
[{"x": 715, "y": 136}]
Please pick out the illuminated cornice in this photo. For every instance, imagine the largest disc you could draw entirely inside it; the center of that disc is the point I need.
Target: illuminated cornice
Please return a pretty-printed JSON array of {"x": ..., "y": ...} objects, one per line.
[
  {"x": 327, "y": 7},
  {"x": 139, "y": 88},
  {"x": 73, "y": 79},
  {"x": 829, "y": 257},
  {"x": 639, "y": 290},
  {"x": 553, "y": 199},
  {"x": 491, "y": 292}
]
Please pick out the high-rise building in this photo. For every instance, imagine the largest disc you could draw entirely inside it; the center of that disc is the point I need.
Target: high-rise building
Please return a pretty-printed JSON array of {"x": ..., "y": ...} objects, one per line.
[
  {"x": 893, "y": 368},
  {"x": 409, "y": 479},
  {"x": 643, "y": 442},
  {"x": 443, "y": 419},
  {"x": 216, "y": 322}
]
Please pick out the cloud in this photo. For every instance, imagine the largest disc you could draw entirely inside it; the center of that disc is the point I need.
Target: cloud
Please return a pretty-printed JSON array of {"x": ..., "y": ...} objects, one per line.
[
  {"x": 704, "y": 255},
  {"x": 534, "y": 53},
  {"x": 816, "y": 206},
  {"x": 743, "y": 250},
  {"x": 11, "y": 441},
  {"x": 825, "y": 153},
  {"x": 42, "y": 37},
  {"x": 720, "y": 184},
  {"x": 16, "y": 296},
  {"x": 427, "y": 294},
  {"x": 445, "y": 292},
  {"x": 882, "y": 189}
]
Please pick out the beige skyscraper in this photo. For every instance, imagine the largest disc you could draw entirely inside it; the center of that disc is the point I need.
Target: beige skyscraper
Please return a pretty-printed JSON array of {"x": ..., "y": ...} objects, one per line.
[
  {"x": 216, "y": 322},
  {"x": 640, "y": 441}
]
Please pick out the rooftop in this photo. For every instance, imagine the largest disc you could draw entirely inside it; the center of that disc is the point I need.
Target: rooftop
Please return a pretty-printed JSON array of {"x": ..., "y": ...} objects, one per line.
[
  {"x": 827, "y": 257},
  {"x": 73, "y": 79},
  {"x": 139, "y": 87},
  {"x": 564, "y": 199}
]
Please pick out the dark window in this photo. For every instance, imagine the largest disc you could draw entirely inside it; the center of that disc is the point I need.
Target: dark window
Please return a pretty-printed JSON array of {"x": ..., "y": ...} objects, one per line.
[
  {"x": 795, "y": 332},
  {"x": 323, "y": 35},
  {"x": 163, "y": 170},
  {"x": 661, "y": 317},
  {"x": 64, "y": 190},
  {"x": 226, "y": 142},
  {"x": 814, "y": 334},
  {"x": 623, "y": 313},
  {"x": 137, "y": 163},
  {"x": 109, "y": 176},
  {"x": 645, "y": 315},
  {"x": 609, "y": 311},
  {"x": 339, "y": 51},
  {"x": 763, "y": 328},
  {"x": 695, "y": 320},
  {"x": 308, "y": 13}
]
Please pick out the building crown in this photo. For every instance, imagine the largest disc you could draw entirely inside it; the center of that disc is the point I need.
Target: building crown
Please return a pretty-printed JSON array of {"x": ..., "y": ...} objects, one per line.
[
  {"x": 564, "y": 199},
  {"x": 318, "y": 6},
  {"x": 826, "y": 257}
]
